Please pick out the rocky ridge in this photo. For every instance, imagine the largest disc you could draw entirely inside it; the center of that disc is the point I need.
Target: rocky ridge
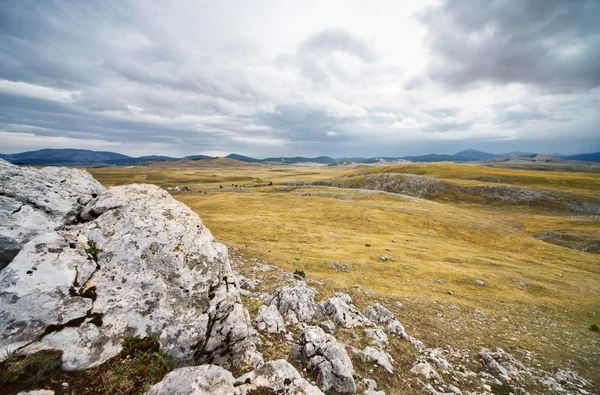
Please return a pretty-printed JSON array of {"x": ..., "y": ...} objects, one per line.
[{"x": 86, "y": 267}]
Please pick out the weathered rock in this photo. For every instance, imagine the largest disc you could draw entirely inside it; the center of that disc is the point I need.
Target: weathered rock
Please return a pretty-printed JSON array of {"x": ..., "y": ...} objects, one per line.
[
  {"x": 374, "y": 355},
  {"x": 158, "y": 271},
  {"x": 278, "y": 376},
  {"x": 424, "y": 369},
  {"x": 324, "y": 357},
  {"x": 369, "y": 384},
  {"x": 437, "y": 356},
  {"x": 328, "y": 326},
  {"x": 380, "y": 315},
  {"x": 295, "y": 302},
  {"x": 37, "y": 201},
  {"x": 342, "y": 312},
  {"x": 377, "y": 336},
  {"x": 195, "y": 380},
  {"x": 269, "y": 320}
]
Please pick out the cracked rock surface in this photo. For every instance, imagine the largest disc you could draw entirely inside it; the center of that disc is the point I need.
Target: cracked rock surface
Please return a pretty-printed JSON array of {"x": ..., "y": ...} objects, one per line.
[
  {"x": 34, "y": 201},
  {"x": 142, "y": 264},
  {"x": 324, "y": 357}
]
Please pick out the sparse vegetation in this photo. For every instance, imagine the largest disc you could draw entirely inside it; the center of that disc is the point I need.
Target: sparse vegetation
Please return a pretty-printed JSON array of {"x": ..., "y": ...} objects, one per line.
[
  {"x": 299, "y": 273},
  {"x": 594, "y": 328},
  {"x": 92, "y": 250}
]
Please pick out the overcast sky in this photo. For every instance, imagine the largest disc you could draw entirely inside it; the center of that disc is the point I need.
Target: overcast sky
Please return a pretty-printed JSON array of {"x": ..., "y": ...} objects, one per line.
[{"x": 281, "y": 78}]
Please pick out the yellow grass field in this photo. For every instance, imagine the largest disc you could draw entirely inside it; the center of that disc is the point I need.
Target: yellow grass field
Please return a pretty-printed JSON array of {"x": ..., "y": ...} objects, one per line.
[{"x": 538, "y": 301}]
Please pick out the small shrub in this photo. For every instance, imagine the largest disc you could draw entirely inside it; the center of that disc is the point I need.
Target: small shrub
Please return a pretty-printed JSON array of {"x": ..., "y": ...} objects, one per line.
[
  {"x": 299, "y": 273},
  {"x": 367, "y": 245},
  {"x": 594, "y": 328},
  {"x": 92, "y": 250},
  {"x": 270, "y": 183}
]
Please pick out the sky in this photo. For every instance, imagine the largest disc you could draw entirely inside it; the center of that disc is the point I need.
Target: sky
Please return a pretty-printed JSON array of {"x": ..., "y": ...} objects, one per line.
[{"x": 286, "y": 78}]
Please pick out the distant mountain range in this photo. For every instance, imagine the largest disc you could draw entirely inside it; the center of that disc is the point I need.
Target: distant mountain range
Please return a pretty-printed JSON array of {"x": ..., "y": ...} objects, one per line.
[{"x": 80, "y": 157}]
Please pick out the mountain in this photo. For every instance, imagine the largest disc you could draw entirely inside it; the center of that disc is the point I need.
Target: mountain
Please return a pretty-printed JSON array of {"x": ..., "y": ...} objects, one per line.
[
  {"x": 437, "y": 158},
  {"x": 593, "y": 157},
  {"x": 155, "y": 158},
  {"x": 300, "y": 159},
  {"x": 474, "y": 155},
  {"x": 66, "y": 157},
  {"x": 242, "y": 158},
  {"x": 517, "y": 153},
  {"x": 198, "y": 157}
]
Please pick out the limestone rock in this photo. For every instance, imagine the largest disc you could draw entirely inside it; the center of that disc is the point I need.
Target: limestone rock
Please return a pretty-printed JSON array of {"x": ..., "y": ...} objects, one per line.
[
  {"x": 342, "y": 312},
  {"x": 297, "y": 301},
  {"x": 269, "y": 320},
  {"x": 279, "y": 376},
  {"x": 37, "y": 201},
  {"x": 425, "y": 370},
  {"x": 324, "y": 357},
  {"x": 381, "y": 358},
  {"x": 195, "y": 380},
  {"x": 153, "y": 268},
  {"x": 380, "y": 315},
  {"x": 328, "y": 326},
  {"x": 377, "y": 336}
]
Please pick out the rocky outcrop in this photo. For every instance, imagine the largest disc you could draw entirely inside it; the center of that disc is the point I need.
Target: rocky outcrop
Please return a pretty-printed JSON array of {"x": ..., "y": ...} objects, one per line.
[
  {"x": 380, "y": 315},
  {"x": 278, "y": 376},
  {"x": 325, "y": 358},
  {"x": 35, "y": 201},
  {"x": 195, "y": 380},
  {"x": 131, "y": 261},
  {"x": 342, "y": 312},
  {"x": 296, "y": 302},
  {"x": 269, "y": 320}
]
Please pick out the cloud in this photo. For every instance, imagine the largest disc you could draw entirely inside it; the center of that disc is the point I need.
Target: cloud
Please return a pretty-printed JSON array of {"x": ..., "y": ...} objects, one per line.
[
  {"x": 267, "y": 78},
  {"x": 553, "y": 44}
]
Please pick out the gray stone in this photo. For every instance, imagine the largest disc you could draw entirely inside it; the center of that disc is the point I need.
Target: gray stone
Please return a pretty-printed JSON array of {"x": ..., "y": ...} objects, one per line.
[
  {"x": 195, "y": 380},
  {"x": 295, "y": 302},
  {"x": 324, "y": 357},
  {"x": 278, "y": 376},
  {"x": 377, "y": 336},
  {"x": 342, "y": 312},
  {"x": 328, "y": 326},
  {"x": 158, "y": 271},
  {"x": 424, "y": 369},
  {"x": 380, "y": 315},
  {"x": 269, "y": 320},
  {"x": 37, "y": 201},
  {"x": 480, "y": 283},
  {"x": 374, "y": 355}
]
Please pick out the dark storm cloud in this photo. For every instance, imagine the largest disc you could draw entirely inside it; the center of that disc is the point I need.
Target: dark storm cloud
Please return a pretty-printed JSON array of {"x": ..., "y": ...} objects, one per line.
[{"x": 551, "y": 43}]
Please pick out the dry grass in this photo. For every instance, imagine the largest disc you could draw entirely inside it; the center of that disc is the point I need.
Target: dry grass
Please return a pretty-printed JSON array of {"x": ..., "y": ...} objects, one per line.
[{"x": 439, "y": 247}]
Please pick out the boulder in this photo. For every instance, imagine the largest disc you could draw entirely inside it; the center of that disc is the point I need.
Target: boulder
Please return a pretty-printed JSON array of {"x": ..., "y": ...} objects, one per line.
[
  {"x": 328, "y": 326},
  {"x": 278, "y": 376},
  {"x": 269, "y": 320},
  {"x": 374, "y": 355},
  {"x": 195, "y": 380},
  {"x": 424, "y": 369},
  {"x": 36, "y": 201},
  {"x": 377, "y": 336},
  {"x": 325, "y": 358},
  {"x": 295, "y": 302},
  {"x": 380, "y": 315},
  {"x": 342, "y": 312},
  {"x": 143, "y": 264}
]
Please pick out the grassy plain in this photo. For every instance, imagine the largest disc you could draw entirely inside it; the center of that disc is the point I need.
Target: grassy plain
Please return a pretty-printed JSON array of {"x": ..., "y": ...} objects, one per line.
[{"x": 538, "y": 301}]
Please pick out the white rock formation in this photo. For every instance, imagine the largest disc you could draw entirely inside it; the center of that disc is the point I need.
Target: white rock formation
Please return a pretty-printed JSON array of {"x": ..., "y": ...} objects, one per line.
[
  {"x": 195, "y": 380},
  {"x": 380, "y": 315},
  {"x": 269, "y": 320},
  {"x": 34, "y": 201},
  {"x": 325, "y": 358},
  {"x": 342, "y": 312},
  {"x": 152, "y": 268},
  {"x": 295, "y": 302},
  {"x": 279, "y": 376}
]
